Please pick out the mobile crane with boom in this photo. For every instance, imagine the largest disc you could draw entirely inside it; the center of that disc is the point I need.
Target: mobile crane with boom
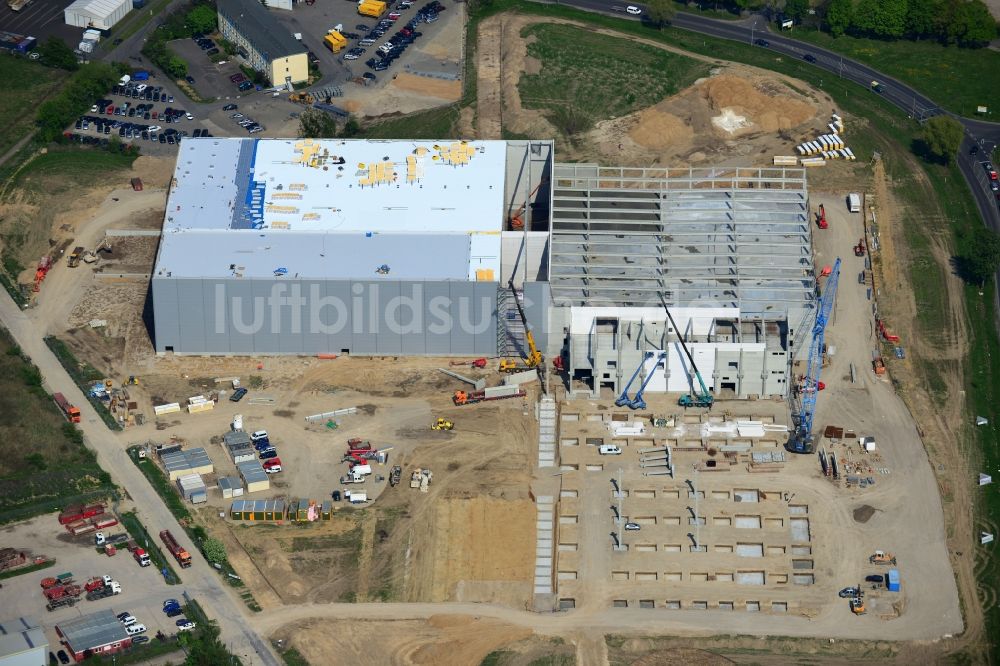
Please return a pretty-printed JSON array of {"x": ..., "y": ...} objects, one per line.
[
  {"x": 804, "y": 401},
  {"x": 534, "y": 357},
  {"x": 704, "y": 398}
]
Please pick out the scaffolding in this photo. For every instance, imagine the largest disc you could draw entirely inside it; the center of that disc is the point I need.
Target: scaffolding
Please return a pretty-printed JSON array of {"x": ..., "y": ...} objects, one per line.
[{"x": 721, "y": 237}]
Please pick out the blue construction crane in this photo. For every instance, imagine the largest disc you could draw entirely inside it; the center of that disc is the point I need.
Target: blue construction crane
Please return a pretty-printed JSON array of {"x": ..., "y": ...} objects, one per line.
[
  {"x": 804, "y": 398},
  {"x": 637, "y": 402},
  {"x": 623, "y": 400}
]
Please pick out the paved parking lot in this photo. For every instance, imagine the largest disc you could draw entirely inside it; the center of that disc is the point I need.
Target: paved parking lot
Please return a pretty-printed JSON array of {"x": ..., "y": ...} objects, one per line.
[
  {"x": 41, "y": 19},
  {"x": 143, "y": 588},
  {"x": 211, "y": 80}
]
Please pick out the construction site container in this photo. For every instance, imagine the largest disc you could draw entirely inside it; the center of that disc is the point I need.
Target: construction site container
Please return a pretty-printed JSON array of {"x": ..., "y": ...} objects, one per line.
[
  {"x": 184, "y": 462},
  {"x": 893, "y": 580},
  {"x": 785, "y": 160},
  {"x": 191, "y": 484},
  {"x": 334, "y": 41},
  {"x": 230, "y": 486},
  {"x": 854, "y": 202},
  {"x": 169, "y": 408},
  {"x": 326, "y": 511},
  {"x": 239, "y": 447},
  {"x": 199, "y": 497},
  {"x": 271, "y": 510},
  {"x": 254, "y": 477},
  {"x": 372, "y": 8}
]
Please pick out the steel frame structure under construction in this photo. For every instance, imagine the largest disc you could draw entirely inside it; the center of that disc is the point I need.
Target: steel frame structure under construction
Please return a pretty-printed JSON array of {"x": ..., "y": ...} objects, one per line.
[{"x": 719, "y": 237}]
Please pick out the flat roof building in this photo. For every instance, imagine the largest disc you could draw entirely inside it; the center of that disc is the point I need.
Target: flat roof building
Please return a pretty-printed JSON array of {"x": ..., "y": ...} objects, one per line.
[
  {"x": 265, "y": 44},
  {"x": 187, "y": 461},
  {"x": 280, "y": 246},
  {"x": 23, "y": 643},
  {"x": 97, "y": 633},
  {"x": 99, "y": 14}
]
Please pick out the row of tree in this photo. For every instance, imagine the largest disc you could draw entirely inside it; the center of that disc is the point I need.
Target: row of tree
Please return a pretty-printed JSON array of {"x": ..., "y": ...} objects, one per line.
[
  {"x": 92, "y": 81},
  {"x": 200, "y": 19},
  {"x": 962, "y": 22}
]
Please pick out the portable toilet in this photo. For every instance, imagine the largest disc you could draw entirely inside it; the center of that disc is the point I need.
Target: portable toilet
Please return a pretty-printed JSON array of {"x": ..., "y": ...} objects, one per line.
[{"x": 893, "y": 584}]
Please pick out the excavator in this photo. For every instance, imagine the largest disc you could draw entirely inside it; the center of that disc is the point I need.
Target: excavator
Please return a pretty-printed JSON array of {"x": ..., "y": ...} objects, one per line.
[{"x": 534, "y": 357}]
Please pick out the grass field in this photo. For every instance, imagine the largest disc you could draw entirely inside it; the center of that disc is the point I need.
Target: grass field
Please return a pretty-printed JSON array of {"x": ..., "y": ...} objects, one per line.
[
  {"x": 433, "y": 124},
  {"x": 45, "y": 464},
  {"x": 26, "y": 84},
  {"x": 957, "y": 79},
  {"x": 71, "y": 167},
  {"x": 597, "y": 76}
]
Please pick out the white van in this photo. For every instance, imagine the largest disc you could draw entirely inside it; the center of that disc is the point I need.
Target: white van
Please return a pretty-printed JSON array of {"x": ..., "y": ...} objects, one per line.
[
  {"x": 609, "y": 450},
  {"x": 134, "y": 629}
]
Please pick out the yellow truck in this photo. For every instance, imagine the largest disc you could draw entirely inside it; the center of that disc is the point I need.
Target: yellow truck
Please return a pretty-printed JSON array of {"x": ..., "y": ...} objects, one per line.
[
  {"x": 335, "y": 41},
  {"x": 372, "y": 8}
]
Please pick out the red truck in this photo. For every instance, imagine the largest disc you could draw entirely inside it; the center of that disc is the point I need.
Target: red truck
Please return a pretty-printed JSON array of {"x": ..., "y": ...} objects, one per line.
[
  {"x": 72, "y": 413},
  {"x": 182, "y": 556},
  {"x": 140, "y": 555},
  {"x": 76, "y": 512}
]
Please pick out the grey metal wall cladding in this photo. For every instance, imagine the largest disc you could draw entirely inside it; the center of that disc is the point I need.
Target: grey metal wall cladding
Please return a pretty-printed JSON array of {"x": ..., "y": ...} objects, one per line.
[
  {"x": 383, "y": 317},
  {"x": 537, "y": 299}
]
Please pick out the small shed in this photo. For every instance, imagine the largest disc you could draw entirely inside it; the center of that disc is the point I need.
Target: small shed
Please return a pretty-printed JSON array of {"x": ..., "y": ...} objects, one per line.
[
  {"x": 239, "y": 447},
  {"x": 255, "y": 479},
  {"x": 189, "y": 461},
  {"x": 230, "y": 486},
  {"x": 191, "y": 484},
  {"x": 893, "y": 580}
]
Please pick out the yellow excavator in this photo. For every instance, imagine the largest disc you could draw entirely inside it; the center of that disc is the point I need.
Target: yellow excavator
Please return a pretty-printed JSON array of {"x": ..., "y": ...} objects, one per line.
[{"x": 534, "y": 358}]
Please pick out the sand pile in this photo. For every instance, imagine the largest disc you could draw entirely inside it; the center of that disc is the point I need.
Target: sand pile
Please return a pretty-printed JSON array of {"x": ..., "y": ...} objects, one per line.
[
  {"x": 659, "y": 130},
  {"x": 731, "y": 122},
  {"x": 766, "y": 112}
]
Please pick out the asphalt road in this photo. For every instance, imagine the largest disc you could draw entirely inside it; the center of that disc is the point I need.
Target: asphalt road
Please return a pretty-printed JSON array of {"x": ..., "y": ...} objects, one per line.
[{"x": 200, "y": 581}]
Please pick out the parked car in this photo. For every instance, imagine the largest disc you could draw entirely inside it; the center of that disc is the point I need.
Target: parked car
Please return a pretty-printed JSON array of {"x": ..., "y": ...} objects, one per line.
[
  {"x": 874, "y": 578},
  {"x": 63, "y": 657},
  {"x": 268, "y": 453},
  {"x": 633, "y": 527},
  {"x": 134, "y": 629},
  {"x": 174, "y": 612},
  {"x": 258, "y": 435},
  {"x": 849, "y": 592},
  {"x": 273, "y": 469},
  {"x": 633, "y": 10},
  {"x": 185, "y": 624},
  {"x": 139, "y": 640},
  {"x": 336, "y": 495},
  {"x": 229, "y": 107},
  {"x": 189, "y": 79},
  {"x": 238, "y": 393},
  {"x": 126, "y": 618},
  {"x": 170, "y": 602}
]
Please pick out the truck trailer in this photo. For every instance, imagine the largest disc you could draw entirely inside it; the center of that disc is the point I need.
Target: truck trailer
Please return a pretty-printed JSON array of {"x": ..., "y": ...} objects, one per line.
[
  {"x": 76, "y": 512},
  {"x": 182, "y": 556},
  {"x": 69, "y": 411},
  {"x": 493, "y": 393}
]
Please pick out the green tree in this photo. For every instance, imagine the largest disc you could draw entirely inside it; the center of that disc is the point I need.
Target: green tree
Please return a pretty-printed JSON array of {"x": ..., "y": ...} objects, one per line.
[
  {"x": 316, "y": 124},
  {"x": 924, "y": 18},
  {"x": 940, "y": 137},
  {"x": 201, "y": 19},
  {"x": 55, "y": 53},
  {"x": 839, "y": 16},
  {"x": 205, "y": 648},
  {"x": 352, "y": 128},
  {"x": 881, "y": 18},
  {"x": 971, "y": 24},
  {"x": 215, "y": 551},
  {"x": 660, "y": 12},
  {"x": 796, "y": 9},
  {"x": 177, "y": 67},
  {"x": 983, "y": 258}
]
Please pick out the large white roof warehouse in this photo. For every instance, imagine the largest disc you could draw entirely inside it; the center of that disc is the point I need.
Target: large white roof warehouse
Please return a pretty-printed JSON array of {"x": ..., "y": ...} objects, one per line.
[{"x": 334, "y": 208}]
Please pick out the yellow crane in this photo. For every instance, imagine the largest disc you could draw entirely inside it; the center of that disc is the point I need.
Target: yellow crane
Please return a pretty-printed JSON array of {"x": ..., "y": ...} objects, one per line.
[{"x": 534, "y": 357}]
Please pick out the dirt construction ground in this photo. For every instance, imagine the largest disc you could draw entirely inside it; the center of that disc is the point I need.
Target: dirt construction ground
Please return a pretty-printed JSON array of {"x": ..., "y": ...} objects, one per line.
[{"x": 445, "y": 576}]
